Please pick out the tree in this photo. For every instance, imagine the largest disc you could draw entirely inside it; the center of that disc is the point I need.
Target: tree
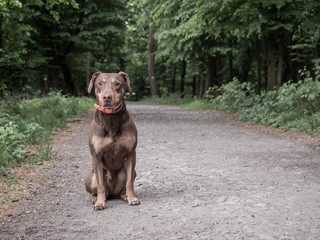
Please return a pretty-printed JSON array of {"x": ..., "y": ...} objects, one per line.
[
  {"x": 55, "y": 41},
  {"x": 161, "y": 44},
  {"x": 145, "y": 19},
  {"x": 152, "y": 75}
]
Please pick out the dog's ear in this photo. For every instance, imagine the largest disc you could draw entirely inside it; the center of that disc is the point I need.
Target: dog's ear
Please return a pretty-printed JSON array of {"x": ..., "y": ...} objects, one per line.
[
  {"x": 93, "y": 79},
  {"x": 127, "y": 80}
]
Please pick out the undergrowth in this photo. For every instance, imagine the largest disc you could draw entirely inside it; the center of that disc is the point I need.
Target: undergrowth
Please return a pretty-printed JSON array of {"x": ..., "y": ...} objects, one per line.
[
  {"x": 294, "y": 106},
  {"x": 26, "y": 126}
]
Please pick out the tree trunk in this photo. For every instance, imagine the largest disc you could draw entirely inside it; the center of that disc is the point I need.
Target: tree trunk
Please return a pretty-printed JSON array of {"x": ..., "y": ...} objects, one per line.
[
  {"x": 183, "y": 75},
  {"x": 258, "y": 67},
  {"x": 212, "y": 72},
  {"x": 152, "y": 77},
  {"x": 245, "y": 68},
  {"x": 245, "y": 72},
  {"x": 53, "y": 78},
  {"x": 294, "y": 73},
  {"x": 1, "y": 18},
  {"x": 90, "y": 69},
  {"x": 230, "y": 61},
  {"x": 280, "y": 65},
  {"x": 199, "y": 86},
  {"x": 202, "y": 82},
  {"x": 258, "y": 75},
  {"x": 68, "y": 78},
  {"x": 41, "y": 85},
  {"x": 199, "y": 82},
  {"x": 265, "y": 74},
  {"x": 272, "y": 67},
  {"x": 194, "y": 87},
  {"x": 173, "y": 79}
]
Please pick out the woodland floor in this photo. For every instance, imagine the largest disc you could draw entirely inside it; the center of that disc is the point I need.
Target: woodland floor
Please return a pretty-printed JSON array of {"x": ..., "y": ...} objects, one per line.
[{"x": 200, "y": 176}]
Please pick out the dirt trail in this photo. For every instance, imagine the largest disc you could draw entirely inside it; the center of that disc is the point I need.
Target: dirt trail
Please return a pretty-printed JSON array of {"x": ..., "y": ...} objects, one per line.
[{"x": 199, "y": 177}]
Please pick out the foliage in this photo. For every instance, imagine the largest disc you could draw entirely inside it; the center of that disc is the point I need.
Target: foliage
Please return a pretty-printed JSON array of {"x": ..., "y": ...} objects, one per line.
[
  {"x": 56, "y": 44},
  {"x": 50, "y": 112},
  {"x": 200, "y": 44},
  {"x": 295, "y": 106},
  {"x": 10, "y": 139},
  {"x": 135, "y": 49},
  {"x": 232, "y": 96},
  {"x": 243, "y": 39},
  {"x": 28, "y": 125}
]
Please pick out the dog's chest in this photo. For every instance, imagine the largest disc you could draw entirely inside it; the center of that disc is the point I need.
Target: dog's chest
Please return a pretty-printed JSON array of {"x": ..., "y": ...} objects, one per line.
[{"x": 113, "y": 149}]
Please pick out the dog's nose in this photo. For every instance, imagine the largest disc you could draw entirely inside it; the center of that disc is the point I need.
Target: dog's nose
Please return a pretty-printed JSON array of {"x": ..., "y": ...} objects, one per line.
[{"x": 107, "y": 97}]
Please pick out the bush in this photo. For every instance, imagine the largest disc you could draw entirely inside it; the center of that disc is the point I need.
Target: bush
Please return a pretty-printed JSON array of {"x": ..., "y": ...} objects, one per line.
[
  {"x": 31, "y": 122},
  {"x": 50, "y": 112},
  {"x": 294, "y": 106},
  {"x": 10, "y": 139},
  {"x": 232, "y": 96}
]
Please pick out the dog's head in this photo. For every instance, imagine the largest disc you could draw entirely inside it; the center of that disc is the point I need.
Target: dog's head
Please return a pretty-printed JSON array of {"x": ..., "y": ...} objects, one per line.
[{"x": 109, "y": 87}]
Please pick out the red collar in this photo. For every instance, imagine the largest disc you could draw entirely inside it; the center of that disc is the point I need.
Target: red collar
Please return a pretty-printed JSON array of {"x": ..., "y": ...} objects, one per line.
[{"x": 109, "y": 110}]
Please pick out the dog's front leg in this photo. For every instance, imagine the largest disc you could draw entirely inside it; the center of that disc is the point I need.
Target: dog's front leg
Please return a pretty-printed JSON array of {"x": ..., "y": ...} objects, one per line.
[
  {"x": 101, "y": 186},
  {"x": 131, "y": 174}
]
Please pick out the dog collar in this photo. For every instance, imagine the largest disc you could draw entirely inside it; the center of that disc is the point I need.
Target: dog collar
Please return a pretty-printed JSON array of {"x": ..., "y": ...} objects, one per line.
[{"x": 109, "y": 110}]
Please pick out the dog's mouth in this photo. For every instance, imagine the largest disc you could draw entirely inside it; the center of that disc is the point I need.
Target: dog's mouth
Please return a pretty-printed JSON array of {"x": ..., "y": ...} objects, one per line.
[
  {"x": 111, "y": 105},
  {"x": 107, "y": 105}
]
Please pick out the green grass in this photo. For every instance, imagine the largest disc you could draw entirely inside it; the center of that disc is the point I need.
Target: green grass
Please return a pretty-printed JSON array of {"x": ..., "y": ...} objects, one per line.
[
  {"x": 50, "y": 112},
  {"x": 28, "y": 125}
]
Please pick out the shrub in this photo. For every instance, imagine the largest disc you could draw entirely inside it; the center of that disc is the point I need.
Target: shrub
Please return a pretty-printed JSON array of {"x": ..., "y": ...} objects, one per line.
[
  {"x": 31, "y": 122},
  {"x": 234, "y": 95},
  {"x": 51, "y": 111},
  {"x": 294, "y": 106},
  {"x": 10, "y": 139}
]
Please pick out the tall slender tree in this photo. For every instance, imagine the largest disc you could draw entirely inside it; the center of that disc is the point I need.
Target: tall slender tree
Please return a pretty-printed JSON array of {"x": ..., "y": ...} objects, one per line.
[{"x": 151, "y": 68}]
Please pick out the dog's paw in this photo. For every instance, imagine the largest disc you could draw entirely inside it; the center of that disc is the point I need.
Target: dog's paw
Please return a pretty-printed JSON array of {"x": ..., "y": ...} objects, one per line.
[
  {"x": 99, "y": 206},
  {"x": 124, "y": 197},
  {"x": 133, "y": 201},
  {"x": 93, "y": 199}
]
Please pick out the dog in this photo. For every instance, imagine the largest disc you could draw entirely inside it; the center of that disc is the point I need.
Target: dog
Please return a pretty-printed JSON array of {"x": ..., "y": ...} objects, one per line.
[{"x": 112, "y": 142}]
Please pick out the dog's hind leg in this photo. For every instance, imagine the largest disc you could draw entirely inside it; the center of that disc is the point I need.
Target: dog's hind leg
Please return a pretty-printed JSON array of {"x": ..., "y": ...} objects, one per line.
[{"x": 91, "y": 186}]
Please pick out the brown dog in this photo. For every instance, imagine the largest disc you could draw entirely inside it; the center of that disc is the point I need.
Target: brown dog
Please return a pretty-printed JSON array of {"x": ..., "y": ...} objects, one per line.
[{"x": 112, "y": 142}]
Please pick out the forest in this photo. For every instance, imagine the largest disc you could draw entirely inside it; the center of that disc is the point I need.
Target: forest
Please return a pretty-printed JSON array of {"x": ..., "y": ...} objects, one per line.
[
  {"x": 166, "y": 47},
  {"x": 255, "y": 57},
  {"x": 235, "y": 157}
]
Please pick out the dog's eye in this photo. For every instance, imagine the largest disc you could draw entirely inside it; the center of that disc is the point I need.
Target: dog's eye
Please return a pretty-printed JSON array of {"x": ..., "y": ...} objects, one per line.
[
  {"x": 100, "y": 83},
  {"x": 117, "y": 84}
]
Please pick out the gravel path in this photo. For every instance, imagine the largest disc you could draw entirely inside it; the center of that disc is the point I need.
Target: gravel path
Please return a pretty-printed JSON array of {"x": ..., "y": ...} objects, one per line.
[{"x": 199, "y": 177}]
